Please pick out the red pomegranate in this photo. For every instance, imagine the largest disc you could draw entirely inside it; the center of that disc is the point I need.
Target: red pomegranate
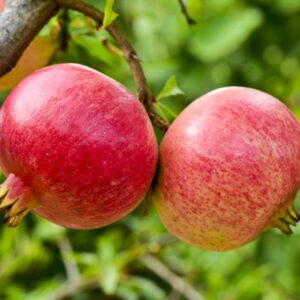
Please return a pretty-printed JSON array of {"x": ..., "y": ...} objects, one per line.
[
  {"x": 229, "y": 169},
  {"x": 2, "y": 4},
  {"x": 77, "y": 147}
]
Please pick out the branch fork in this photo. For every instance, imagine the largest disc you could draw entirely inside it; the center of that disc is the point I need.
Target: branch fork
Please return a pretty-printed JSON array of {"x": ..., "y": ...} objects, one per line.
[{"x": 29, "y": 16}]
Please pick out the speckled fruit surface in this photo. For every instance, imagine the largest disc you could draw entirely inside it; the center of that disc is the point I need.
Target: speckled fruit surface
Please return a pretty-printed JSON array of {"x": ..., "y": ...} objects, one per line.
[
  {"x": 229, "y": 168},
  {"x": 80, "y": 146}
]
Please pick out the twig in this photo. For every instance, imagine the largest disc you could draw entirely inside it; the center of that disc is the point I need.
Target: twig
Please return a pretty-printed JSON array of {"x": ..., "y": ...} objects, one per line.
[
  {"x": 75, "y": 283},
  {"x": 176, "y": 282},
  {"x": 64, "y": 23},
  {"x": 67, "y": 254},
  {"x": 144, "y": 93},
  {"x": 68, "y": 289},
  {"x": 29, "y": 16},
  {"x": 185, "y": 12}
]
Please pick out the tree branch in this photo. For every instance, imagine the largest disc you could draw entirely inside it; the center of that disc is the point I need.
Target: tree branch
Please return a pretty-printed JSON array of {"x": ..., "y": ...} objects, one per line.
[
  {"x": 185, "y": 12},
  {"x": 144, "y": 93},
  {"x": 176, "y": 282},
  {"x": 64, "y": 24},
  {"x": 20, "y": 22},
  {"x": 68, "y": 258},
  {"x": 69, "y": 289}
]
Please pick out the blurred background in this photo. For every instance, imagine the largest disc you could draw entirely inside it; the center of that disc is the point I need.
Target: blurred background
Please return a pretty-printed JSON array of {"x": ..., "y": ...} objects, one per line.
[{"x": 235, "y": 42}]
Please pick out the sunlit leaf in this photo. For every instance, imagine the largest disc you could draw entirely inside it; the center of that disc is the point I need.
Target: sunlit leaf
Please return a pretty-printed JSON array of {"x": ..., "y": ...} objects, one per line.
[
  {"x": 95, "y": 48},
  {"x": 108, "y": 267},
  {"x": 109, "y": 14},
  {"x": 170, "y": 89}
]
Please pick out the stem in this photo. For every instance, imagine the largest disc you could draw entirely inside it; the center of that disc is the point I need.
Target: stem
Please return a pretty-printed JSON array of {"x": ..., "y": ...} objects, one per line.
[
  {"x": 144, "y": 93},
  {"x": 70, "y": 289},
  {"x": 29, "y": 16},
  {"x": 69, "y": 261},
  {"x": 176, "y": 282},
  {"x": 185, "y": 12},
  {"x": 64, "y": 23}
]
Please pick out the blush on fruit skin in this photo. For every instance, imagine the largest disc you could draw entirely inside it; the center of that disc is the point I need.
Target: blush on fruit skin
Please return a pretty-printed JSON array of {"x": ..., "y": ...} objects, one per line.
[
  {"x": 229, "y": 168},
  {"x": 2, "y": 4},
  {"x": 79, "y": 144}
]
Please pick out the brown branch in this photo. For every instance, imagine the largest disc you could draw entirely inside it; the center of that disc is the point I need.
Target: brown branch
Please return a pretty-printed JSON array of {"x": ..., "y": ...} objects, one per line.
[
  {"x": 176, "y": 282},
  {"x": 185, "y": 12},
  {"x": 64, "y": 31},
  {"x": 20, "y": 22},
  {"x": 144, "y": 93}
]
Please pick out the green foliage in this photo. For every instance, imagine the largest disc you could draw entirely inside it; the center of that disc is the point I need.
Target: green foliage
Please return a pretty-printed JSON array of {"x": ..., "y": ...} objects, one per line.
[
  {"x": 250, "y": 43},
  {"x": 221, "y": 35},
  {"x": 110, "y": 14},
  {"x": 170, "y": 89}
]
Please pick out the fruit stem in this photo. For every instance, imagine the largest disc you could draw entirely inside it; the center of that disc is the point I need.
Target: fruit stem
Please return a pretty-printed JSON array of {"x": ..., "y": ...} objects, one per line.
[{"x": 16, "y": 199}]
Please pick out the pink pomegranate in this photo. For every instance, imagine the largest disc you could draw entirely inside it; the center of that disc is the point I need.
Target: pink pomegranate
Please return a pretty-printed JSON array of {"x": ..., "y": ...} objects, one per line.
[
  {"x": 229, "y": 169},
  {"x": 2, "y": 4},
  {"x": 77, "y": 147}
]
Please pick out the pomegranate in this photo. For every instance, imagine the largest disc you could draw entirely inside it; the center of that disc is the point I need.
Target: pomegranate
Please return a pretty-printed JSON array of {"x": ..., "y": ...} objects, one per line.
[
  {"x": 77, "y": 147},
  {"x": 2, "y": 4},
  {"x": 229, "y": 169}
]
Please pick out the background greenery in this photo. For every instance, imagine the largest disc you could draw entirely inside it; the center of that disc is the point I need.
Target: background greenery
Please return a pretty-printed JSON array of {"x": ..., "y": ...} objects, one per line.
[{"x": 235, "y": 42}]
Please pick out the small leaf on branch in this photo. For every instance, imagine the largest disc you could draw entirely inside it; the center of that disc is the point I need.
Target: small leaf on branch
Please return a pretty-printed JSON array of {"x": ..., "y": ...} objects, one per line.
[
  {"x": 160, "y": 111},
  {"x": 165, "y": 112},
  {"x": 109, "y": 14},
  {"x": 170, "y": 89}
]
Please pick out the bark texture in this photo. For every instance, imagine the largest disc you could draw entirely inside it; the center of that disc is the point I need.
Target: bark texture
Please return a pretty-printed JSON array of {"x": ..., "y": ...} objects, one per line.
[{"x": 20, "y": 21}]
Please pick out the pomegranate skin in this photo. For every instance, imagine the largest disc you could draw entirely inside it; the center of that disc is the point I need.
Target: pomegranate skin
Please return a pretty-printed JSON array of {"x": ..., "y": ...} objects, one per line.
[
  {"x": 81, "y": 143},
  {"x": 229, "y": 168},
  {"x": 2, "y": 4}
]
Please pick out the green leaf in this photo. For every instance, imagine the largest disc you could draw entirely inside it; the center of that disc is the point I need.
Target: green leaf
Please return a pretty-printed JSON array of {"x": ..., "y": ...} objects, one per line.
[
  {"x": 222, "y": 35},
  {"x": 110, "y": 15},
  {"x": 109, "y": 270},
  {"x": 194, "y": 7},
  {"x": 170, "y": 89},
  {"x": 93, "y": 46},
  {"x": 287, "y": 6},
  {"x": 165, "y": 111},
  {"x": 143, "y": 287},
  {"x": 48, "y": 231}
]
